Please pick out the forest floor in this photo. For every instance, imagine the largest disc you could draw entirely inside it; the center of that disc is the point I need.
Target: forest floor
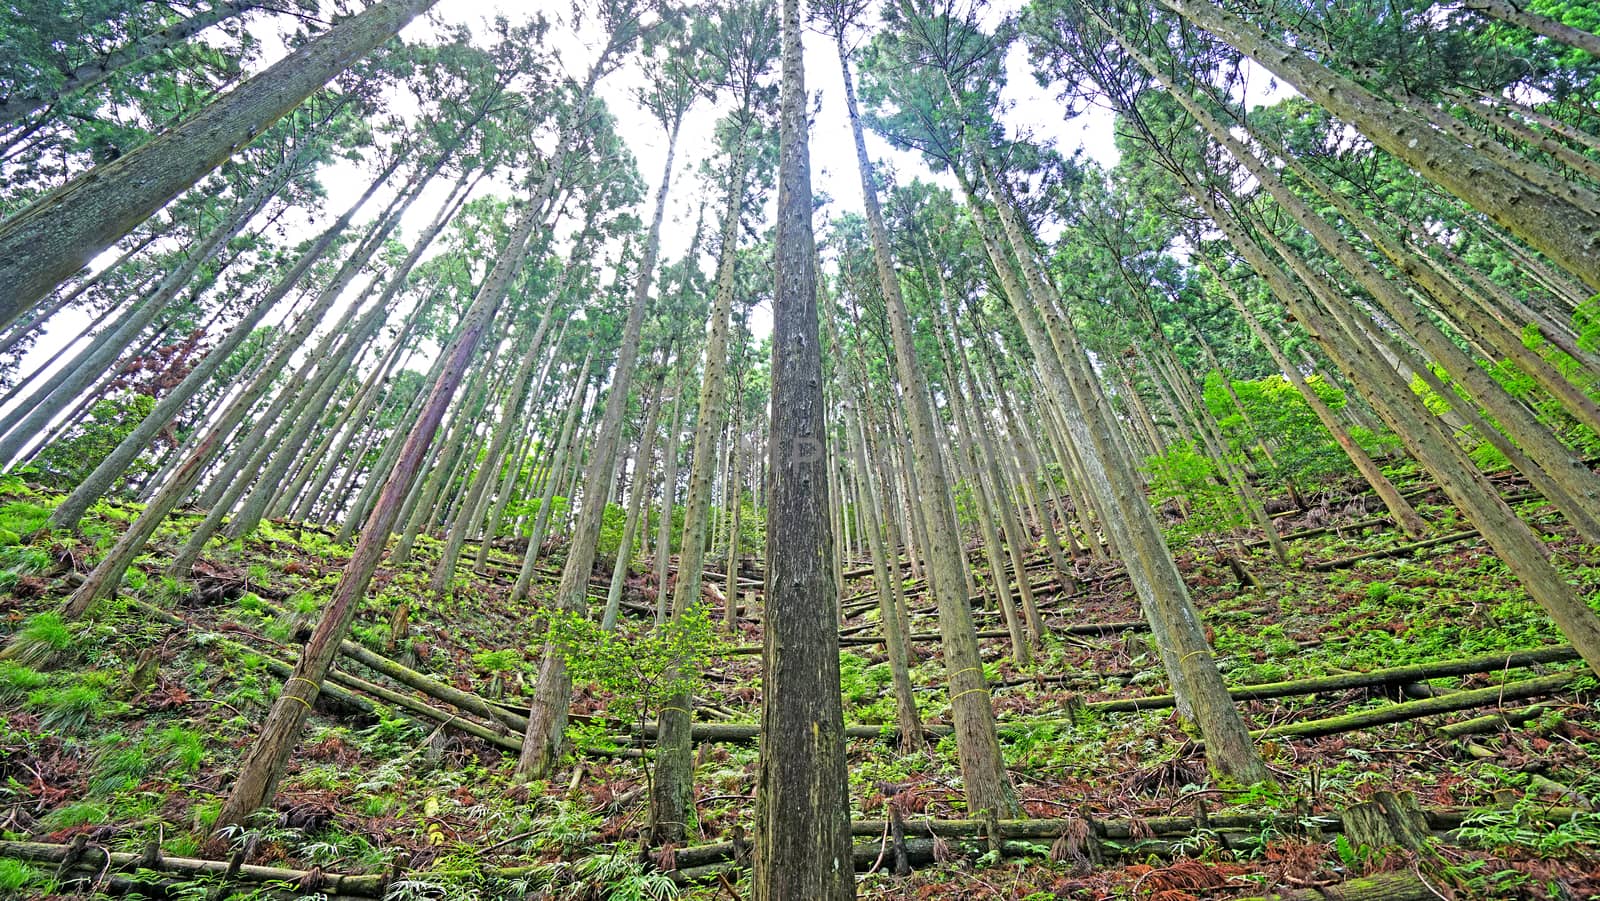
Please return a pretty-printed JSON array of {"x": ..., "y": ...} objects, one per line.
[{"x": 121, "y": 734}]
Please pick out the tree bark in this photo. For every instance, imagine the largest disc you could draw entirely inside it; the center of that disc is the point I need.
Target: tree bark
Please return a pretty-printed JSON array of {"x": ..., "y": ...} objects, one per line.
[{"x": 803, "y": 850}]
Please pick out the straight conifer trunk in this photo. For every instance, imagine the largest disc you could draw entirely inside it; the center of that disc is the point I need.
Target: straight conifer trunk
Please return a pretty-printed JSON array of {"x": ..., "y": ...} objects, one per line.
[
  {"x": 95, "y": 485},
  {"x": 547, "y": 718},
  {"x": 988, "y": 787},
  {"x": 802, "y": 842}
]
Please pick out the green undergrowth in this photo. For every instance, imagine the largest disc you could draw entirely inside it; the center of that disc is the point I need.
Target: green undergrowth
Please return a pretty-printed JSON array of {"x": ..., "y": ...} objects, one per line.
[{"x": 133, "y": 728}]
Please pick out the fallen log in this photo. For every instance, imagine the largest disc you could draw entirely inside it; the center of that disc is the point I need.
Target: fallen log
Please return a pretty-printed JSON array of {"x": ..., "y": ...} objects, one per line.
[
  {"x": 1483, "y": 663},
  {"x": 1402, "y": 885},
  {"x": 1404, "y": 550},
  {"x": 1493, "y": 722},
  {"x": 1119, "y": 836},
  {"x": 361, "y": 886},
  {"x": 428, "y": 685},
  {"x": 1410, "y": 710}
]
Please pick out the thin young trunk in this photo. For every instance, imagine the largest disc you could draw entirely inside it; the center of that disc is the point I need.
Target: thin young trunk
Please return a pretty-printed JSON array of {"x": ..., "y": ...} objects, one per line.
[
  {"x": 107, "y": 574},
  {"x": 1190, "y": 665},
  {"x": 640, "y": 489},
  {"x": 547, "y": 719},
  {"x": 1404, "y": 514},
  {"x": 1511, "y": 539},
  {"x": 480, "y": 564},
  {"x": 489, "y": 471},
  {"x": 1210, "y": 432},
  {"x": 239, "y": 470},
  {"x": 61, "y": 232},
  {"x": 288, "y": 433},
  {"x": 28, "y": 418},
  {"x": 669, "y": 499},
  {"x": 71, "y": 510},
  {"x": 1557, "y": 472},
  {"x": 988, "y": 786},
  {"x": 1024, "y": 460},
  {"x": 558, "y": 464},
  {"x": 883, "y": 581},
  {"x": 309, "y": 489},
  {"x": 358, "y": 511},
  {"x": 1460, "y": 308},
  {"x": 986, "y": 496},
  {"x": 734, "y": 492},
  {"x": 263, "y": 764},
  {"x": 986, "y": 462},
  {"x": 29, "y": 324}
]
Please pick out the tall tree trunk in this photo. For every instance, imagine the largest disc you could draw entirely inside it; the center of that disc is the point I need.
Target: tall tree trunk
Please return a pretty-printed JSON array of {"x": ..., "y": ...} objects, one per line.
[
  {"x": 1511, "y": 539},
  {"x": 802, "y": 842},
  {"x": 27, "y": 325},
  {"x": 1404, "y": 514},
  {"x": 735, "y": 498},
  {"x": 883, "y": 582},
  {"x": 62, "y": 231},
  {"x": 1190, "y": 665},
  {"x": 565, "y": 447},
  {"x": 669, "y": 499},
  {"x": 673, "y": 782},
  {"x": 30, "y": 417},
  {"x": 1556, "y": 471},
  {"x": 642, "y": 463},
  {"x": 71, "y": 510},
  {"x": 489, "y": 471},
  {"x": 547, "y": 720},
  {"x": 988, "y": 787},
  {"x": 275, "y": 433},
  {"x": 513, "y": 475}
]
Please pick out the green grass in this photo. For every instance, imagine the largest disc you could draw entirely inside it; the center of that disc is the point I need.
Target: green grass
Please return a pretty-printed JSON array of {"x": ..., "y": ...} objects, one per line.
[
  {"x": 17, "y": 680},
  {"x": 78, "y": 813},
  {"x": 16, "y": 875},
  {"x": 42, "y": 639},
  {"x": 23, "y": 517},
  {"x": 67, "y": 709}
]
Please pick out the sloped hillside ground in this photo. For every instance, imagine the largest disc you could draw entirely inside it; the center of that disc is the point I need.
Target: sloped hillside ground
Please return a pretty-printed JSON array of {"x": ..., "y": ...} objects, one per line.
[{"x": 122, "y": 732}]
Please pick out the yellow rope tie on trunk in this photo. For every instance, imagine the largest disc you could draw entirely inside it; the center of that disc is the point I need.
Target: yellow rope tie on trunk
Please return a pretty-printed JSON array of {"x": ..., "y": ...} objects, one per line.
[
  {"x": 983, "y": 689},
  {"x": 970, "y": 669}
]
